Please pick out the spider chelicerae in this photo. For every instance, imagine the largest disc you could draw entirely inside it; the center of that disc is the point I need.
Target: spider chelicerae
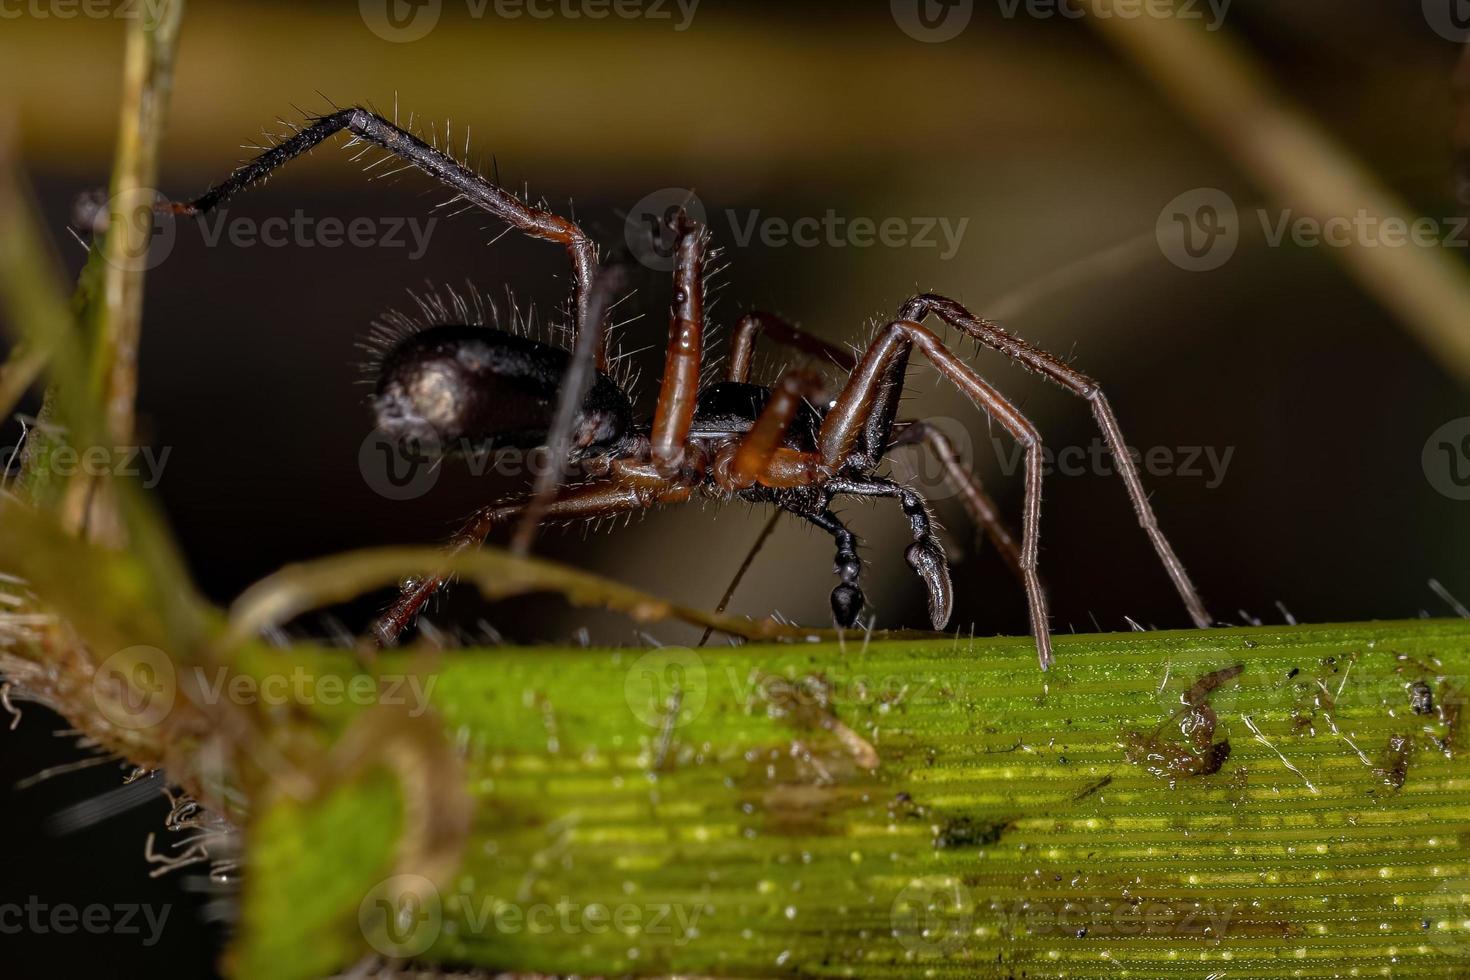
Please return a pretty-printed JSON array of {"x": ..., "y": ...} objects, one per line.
[{"x": 791, "y": 444}]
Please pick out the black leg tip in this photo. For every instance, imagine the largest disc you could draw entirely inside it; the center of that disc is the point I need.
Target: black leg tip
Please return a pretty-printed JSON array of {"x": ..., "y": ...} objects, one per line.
[{"x": 847, "y": 603}]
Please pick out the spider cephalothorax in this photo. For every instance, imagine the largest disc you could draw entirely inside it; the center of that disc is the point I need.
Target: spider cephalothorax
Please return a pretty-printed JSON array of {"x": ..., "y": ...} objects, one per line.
[{"x": 792, "y": 444}]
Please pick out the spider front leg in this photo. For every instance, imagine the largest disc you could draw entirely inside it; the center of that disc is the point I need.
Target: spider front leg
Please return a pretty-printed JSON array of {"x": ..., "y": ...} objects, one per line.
[
  {"x": 870, "y": 390},
  {"x": 979, "y": 506},
  {"x": 1063, "y": 374},
  {"x": 679, "y": 390},
  {"x": 847, "y": 598},
  {"x": 926, "y": 555},
  {"x": 468, "y": 185},
  {"x": 630, "y": 489}
]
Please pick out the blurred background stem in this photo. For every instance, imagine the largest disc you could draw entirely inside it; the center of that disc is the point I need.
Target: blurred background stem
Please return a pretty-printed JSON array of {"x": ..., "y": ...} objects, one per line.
[
  {"x": 1217, "y": 84},
  {"x": 112, "y": 313}
]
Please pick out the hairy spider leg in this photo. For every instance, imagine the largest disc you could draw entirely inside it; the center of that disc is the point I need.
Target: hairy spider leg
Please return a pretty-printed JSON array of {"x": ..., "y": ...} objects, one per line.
[
  {"x": 679, "y": 390},
  {"x": 870, "y": 390},
  {"x": 625, "y": 492},
  {"x": 1063, "y": 374},
  {"x": 468, "y": 185}
]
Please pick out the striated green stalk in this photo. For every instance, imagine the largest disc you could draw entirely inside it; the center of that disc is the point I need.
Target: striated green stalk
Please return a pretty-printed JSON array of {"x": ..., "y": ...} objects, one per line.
[{"x": 914, "y": 809}]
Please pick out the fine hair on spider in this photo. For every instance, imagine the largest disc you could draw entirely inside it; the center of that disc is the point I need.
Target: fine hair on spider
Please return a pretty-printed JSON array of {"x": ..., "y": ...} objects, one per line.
[{"x": 449, "y": 379}]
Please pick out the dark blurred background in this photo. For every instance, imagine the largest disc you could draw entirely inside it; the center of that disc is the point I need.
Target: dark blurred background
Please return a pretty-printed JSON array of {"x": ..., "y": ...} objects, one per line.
[{"x": 1057, "y": 154}]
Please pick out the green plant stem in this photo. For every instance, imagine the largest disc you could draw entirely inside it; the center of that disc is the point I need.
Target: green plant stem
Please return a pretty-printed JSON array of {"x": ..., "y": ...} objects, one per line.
[{"x": 931, "y": 809}]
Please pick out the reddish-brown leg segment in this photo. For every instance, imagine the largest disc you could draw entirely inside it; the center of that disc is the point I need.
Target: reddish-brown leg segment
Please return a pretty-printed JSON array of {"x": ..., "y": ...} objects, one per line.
[
  {"x": 754, "y": 324},
  {"x": 844, "y": 425},
  {"x": 1084, "y": 387},
  {"x": 623, "y": 493},
  {"x": 679, "y": 390},
  {"x": 755, "y": 454}
]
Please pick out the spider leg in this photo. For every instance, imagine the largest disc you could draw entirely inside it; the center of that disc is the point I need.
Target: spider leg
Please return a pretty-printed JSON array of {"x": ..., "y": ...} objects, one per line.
[
  {"x": 471, "y": 187},
  {"x": 977, "y": 503},
  {"x": 926, "y": 555},
  {"x": 847, "y": 597},
  {"x": 759, "y": 456},
  {"x": 1061, "y": 373},
  {"x": 869, "y": 391},
  {"x": 679, "y": 390},
  {"x": 756, "y": 323},
  {"x": 626, "y": 491}
]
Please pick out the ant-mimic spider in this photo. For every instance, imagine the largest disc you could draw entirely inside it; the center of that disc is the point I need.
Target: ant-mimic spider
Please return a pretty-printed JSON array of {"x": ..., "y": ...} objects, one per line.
[{"x": 791, "y": 444}]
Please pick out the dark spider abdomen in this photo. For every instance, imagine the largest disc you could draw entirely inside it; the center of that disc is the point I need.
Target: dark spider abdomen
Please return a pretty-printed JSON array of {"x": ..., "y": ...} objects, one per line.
[
  {"x": 459, "y": 388},
  {"x": 729, "y": 409}
]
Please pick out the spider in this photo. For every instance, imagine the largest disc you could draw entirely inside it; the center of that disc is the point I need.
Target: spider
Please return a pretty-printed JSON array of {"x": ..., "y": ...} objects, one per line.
[{"x": 790, "y": 445}]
